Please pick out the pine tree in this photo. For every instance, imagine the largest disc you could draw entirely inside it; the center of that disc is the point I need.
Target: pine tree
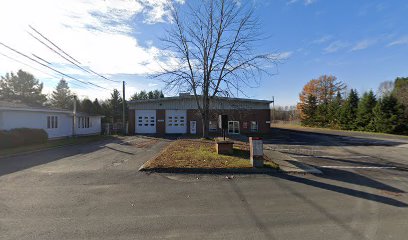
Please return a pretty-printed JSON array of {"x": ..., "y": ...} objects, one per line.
[
  {"x": 334, "y": 111},
  {"x": 97, "y": 109},
  {"x": 87, "y": 106},
  {"x": 310, "y": 111},
  {"x": 365, "y": 115},
  {"x": 22, "y": 87},
  {"x": 115, "y": 106},
  {"x": 62, "y": 96},
  {"x": 389, "y": 115},
  {"x": 349, "y": 111}
]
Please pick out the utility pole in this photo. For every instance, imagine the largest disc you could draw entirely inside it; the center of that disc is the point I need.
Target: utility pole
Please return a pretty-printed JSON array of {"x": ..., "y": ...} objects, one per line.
[
  {"x": 273, "y": 109},
  {"x": 123, "y": 110},
  {"x": 75, "y": 118}
]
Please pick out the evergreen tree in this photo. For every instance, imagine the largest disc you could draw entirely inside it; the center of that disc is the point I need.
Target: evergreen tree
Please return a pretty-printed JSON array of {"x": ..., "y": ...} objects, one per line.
[
  {"x": 322, "y": 115},
  {"x": 365, "y": 115},
  {"x": 115, "y": 106},
  {"x": 97, "y": 108},
  {"x": 309, "y": 111},
  {"x": 349, "y": 111},
  {"x": 22, "y": 87},
  {"x": 87, "y": 106},
  {"x": 62, "y": 96},
  {"x": 334, "y": 111},
  {"x": 147, "y": 95},
  {"x": 389, "y": 116}
]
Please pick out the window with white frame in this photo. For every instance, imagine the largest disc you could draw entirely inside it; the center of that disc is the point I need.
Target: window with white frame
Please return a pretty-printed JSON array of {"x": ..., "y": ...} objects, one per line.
[
  {"x": 254, "y": 126},
  {"x": 52, "y": 122},
  {"x": 84, "y": 122}
]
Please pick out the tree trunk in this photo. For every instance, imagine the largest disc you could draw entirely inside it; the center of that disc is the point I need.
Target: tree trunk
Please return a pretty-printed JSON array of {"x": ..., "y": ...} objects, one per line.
[{"x": 206, "y": 116}]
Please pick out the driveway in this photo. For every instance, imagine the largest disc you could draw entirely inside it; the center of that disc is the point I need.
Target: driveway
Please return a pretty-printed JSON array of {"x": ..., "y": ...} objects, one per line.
[{"x": 96, "y": 192}]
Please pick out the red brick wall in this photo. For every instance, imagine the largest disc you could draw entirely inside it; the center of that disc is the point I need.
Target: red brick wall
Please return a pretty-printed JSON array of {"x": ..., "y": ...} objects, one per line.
[{"x": 261, "y": 116}]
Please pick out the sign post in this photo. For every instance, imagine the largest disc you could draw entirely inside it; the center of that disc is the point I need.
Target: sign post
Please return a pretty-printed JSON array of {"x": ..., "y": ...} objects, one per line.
[{"x": 256, "y": 151}]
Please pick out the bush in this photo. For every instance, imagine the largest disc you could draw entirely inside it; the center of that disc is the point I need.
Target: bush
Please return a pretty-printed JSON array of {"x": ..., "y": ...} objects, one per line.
[{"x": 22, "y": 136}]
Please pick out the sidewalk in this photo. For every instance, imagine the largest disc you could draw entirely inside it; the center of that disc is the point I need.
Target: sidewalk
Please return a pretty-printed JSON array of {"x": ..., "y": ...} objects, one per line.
[{"x": 288, "y": 164}]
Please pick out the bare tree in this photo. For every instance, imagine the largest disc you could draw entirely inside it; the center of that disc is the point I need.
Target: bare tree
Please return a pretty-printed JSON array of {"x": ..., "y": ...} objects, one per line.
[
  {"x": 212, "y": 43},
  {"x": 385, "y": 88}
]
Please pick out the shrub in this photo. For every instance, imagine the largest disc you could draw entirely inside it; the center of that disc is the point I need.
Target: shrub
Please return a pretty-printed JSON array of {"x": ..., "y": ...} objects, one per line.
[{"x": 22, "y": 136}]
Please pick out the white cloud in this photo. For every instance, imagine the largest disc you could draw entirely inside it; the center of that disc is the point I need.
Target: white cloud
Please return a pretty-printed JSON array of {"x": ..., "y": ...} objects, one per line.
[
  {"x": 100, "y": 34},
  {"x": 363, "y": 44},
  {"x": 322, "y": 40},
  {"x": 306, "y": 2},
  {"x": 335, "y": 46},
  {"x": 400, "y": 41}
]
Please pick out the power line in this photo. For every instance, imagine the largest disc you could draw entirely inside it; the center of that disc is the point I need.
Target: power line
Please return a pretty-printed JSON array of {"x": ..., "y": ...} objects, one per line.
[
  {"x": 41, "y": 59},
  {"x": 89, "y": 70},
  {"x": 53, "y": 44},
  {"x": 28, "y": 65},
  {"x": 66, "y": 75}
]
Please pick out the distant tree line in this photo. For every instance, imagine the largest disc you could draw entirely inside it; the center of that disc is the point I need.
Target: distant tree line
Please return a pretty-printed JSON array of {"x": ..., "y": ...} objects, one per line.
[
  {"x": 324, "y": 102},
  {"x": 25, "y": 88}
]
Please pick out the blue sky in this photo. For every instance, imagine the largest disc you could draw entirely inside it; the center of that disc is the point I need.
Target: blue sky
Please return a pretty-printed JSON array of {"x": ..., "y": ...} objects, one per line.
[{"x": 361, "y": 42}]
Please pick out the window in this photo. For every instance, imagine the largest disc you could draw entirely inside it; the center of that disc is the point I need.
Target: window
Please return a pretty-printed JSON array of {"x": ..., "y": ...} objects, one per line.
[
  {"x": 254, "y": 126},
  {"x": 84, "y": 122},
  {"x": 52, "y": 122}
]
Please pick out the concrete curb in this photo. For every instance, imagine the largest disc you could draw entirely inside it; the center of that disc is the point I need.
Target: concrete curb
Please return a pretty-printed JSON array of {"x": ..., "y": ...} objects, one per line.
[
  {"x": 289, "y": 164},
  {"x": 211, "y": 170}
]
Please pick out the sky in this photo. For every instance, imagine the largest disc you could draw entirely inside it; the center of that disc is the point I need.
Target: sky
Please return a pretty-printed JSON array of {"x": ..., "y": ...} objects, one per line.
[{"x": 361, "y": 42}]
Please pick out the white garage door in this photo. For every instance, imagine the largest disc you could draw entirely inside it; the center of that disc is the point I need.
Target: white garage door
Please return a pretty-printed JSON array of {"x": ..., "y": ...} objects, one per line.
[
  {"x": 176, "y": 121},
  {"x": 145, "y": 121}
]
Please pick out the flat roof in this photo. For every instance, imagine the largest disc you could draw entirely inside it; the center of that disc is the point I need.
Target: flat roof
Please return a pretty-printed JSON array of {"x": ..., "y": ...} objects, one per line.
[{"x": 192, "y": 96}]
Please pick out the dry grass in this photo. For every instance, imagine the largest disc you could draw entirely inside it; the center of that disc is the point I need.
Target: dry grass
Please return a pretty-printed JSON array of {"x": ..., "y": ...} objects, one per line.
[{"x": 200, "y": 154}]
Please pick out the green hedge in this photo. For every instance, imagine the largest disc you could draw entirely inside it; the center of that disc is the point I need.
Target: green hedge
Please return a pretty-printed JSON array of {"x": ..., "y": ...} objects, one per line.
[{"x": 22, "y": 136}]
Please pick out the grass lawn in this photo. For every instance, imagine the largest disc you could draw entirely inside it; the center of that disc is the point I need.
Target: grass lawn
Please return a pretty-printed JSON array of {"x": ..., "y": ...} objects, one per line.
[
  {"x": 201, "y": 154},
  {"x": 52, "y": 143}
]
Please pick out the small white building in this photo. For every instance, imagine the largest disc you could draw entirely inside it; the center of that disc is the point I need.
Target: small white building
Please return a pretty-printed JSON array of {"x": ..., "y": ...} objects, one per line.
[{"x": 56, "y": 122}]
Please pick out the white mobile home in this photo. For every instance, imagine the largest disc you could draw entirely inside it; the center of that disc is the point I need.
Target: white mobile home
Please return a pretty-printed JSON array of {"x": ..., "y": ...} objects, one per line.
[{"x": 56, "y": 122}]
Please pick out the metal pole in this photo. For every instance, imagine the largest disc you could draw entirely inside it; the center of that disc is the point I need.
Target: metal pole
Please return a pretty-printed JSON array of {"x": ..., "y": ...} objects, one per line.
[
  {"x": 123, "y": 110},
  {"x": 75, "y": 119},
  {"x": 273, "y": 107}
]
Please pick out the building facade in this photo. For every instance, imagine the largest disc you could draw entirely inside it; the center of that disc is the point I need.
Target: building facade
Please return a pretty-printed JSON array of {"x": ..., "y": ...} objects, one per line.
[
  {"x": 56, "y": 122},
  {"x": 180, "y": 115}
]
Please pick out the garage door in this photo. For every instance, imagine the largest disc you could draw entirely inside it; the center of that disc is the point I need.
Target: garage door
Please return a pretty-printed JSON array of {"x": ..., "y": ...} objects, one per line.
[
  {"x": 145, "y": 121},
  {"x": 176, "y": 121}
]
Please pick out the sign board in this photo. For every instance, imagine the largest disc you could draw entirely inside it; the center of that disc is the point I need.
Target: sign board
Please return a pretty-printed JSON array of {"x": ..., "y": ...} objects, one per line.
[
  {"x": 160, "y": 120},
  {"x": 193, "y": 127}
]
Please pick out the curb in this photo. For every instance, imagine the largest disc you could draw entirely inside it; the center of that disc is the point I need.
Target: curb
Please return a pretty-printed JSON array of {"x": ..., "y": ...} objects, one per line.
[{"x": 211, "y": 170}]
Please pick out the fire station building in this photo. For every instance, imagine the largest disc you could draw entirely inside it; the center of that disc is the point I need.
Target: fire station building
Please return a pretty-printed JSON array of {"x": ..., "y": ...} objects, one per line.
[{"x": 180, "y": 115}]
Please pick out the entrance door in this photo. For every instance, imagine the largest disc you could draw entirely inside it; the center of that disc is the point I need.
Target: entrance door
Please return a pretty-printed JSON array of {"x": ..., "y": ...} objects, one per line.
[
  {"x": 233, "y": 127},
  {"x": 145, "y": 121}
]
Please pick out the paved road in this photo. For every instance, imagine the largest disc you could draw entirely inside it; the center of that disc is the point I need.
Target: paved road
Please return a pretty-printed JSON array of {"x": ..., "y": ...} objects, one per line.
[{"x": 95, "y": 192}]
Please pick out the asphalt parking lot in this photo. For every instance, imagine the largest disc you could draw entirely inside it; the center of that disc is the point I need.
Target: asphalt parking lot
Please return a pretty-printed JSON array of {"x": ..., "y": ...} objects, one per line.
[{"x": 94, "y": 191}]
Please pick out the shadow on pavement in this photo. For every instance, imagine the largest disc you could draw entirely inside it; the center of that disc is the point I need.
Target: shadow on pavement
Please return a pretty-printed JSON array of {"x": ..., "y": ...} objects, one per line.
[
  {"x": 27, "y": 160},
  {"x": 343, "y": 190},
  {"x": 398, "y": 166}
]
